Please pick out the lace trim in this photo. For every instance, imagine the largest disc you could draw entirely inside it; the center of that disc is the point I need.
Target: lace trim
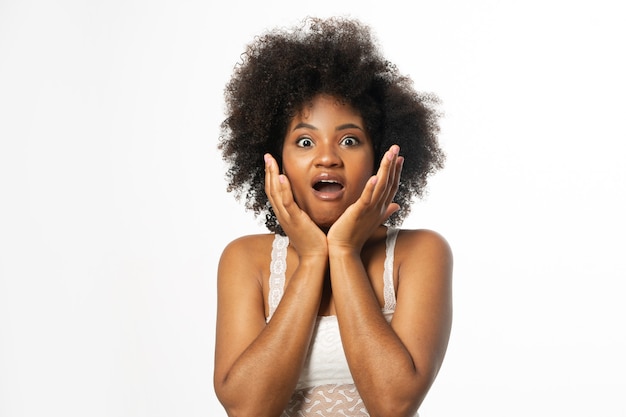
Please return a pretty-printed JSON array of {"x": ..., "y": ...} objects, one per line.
[
  {"x": 326, "y": 400},
  {"x": 278, "y": 266},
  {"x": 389, "y": 291},
  {"x": 330, "y": 400}
]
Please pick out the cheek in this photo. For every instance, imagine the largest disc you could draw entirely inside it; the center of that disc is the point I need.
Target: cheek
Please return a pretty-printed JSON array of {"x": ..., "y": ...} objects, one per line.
[
  {"x": 363, "y": 182},
  {"x": 286, "y": 163},
  {"x": 293, "y": 166},
  {"x": 369, "y": 169},
  {"x": 295, "y": 176}
]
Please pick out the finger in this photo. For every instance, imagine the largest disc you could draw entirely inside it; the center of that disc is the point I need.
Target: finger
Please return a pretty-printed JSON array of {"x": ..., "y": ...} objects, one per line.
[
  {"x": 399, "y": 166},
  {"x": 368, "y": 191},
  {"x": 392, "y": 176},
  {"x": 395, "y": 184},
  {"x": 391, "y": 208},
  {"x": 386, "y": 174},
  {"x": 377, "y": 187},
  {"x": 269, "y": 178},
  {"x": 286, "y": 195},
  {"x": 274, "y": 185},
  {"x": 279, "y": 192}
]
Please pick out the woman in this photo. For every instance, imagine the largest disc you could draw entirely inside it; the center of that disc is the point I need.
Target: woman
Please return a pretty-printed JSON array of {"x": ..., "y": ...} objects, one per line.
[{"x": 336, "y": 311}]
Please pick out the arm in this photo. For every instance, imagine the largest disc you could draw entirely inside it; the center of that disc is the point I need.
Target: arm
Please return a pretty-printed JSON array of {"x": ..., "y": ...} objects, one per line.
[
  {"x": 257, "y": 365},
  {"x": 394, "y": 365}
]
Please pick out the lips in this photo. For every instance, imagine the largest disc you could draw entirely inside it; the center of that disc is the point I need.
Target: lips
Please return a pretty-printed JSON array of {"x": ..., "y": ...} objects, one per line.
[{"x": 327, "y": 186}]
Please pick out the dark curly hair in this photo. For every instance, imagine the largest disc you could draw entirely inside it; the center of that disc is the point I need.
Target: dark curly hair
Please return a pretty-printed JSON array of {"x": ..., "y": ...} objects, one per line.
[{"x": 284, "y": 69}]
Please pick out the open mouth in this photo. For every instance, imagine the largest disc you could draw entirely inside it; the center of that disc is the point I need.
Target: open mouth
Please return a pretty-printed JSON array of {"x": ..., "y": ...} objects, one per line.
[{"x": 327, "y": 186}]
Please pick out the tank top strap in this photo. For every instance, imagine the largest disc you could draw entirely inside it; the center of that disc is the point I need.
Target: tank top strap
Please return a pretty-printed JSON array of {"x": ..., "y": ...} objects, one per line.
[
  {"x": 278, "y": 266},
  {"x": 389, "y": 291}
]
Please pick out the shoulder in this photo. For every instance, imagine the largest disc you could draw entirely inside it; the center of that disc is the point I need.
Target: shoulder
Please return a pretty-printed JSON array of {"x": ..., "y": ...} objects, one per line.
[
  {"x": 423, "y": 247},
  {"x": 249, "y": 253},
  {"x": 249, "y": 242},
  {"x": 423, "y": 239},
  {"x": 424, "y": 278}
]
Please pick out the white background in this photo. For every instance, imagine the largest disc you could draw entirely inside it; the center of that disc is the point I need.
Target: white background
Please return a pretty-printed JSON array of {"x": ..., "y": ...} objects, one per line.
[{"x": 113, "y": 209}]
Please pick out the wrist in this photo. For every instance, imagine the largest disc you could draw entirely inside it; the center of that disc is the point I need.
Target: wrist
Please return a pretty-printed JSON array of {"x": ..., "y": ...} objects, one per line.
[
  {"x": 313, "y": 259},
  {"x": 343, "y": 251}
]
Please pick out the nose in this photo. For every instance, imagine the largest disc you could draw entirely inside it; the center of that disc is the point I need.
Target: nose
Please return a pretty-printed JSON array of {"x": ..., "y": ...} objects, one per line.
[{"x": 327, "y": 155}]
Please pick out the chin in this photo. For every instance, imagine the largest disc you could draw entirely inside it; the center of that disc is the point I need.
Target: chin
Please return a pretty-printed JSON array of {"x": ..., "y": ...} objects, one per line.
[{"x": 326, "y": 222}]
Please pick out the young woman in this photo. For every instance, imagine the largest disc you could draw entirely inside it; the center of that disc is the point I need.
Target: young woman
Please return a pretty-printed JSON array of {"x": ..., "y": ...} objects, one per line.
[{"x": 337, "y": 311}]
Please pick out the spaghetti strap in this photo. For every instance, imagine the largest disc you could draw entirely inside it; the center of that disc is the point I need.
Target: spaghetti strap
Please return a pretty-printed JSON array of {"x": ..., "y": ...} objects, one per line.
[
  {"x": 278, "y": 266},
  {"x": 389, "y": 291}
]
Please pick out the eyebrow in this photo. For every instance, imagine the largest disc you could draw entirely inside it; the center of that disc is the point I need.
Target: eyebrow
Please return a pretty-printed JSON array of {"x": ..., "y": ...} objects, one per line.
[{"x": 338, "y": 128}]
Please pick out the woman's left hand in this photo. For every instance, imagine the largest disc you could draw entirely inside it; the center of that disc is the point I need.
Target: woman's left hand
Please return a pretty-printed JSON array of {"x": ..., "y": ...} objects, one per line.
[{"x": 373, "y": 207}]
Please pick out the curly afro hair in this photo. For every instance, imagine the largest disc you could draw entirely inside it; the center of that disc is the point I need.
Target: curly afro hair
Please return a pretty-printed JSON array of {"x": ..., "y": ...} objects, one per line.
[{"x": 284, "y": 69}]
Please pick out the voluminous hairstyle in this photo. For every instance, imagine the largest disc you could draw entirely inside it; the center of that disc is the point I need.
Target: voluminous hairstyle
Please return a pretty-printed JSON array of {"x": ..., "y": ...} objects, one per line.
[{"x": 284, "y": 69}]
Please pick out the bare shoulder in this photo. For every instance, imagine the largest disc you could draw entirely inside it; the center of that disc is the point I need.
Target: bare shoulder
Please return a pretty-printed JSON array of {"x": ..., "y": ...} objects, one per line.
[
  {"x": 249, "y": 243},
  {"x": 247, "y": 254},
  {"x": 423, "y": 249},
  {"x": 423, "y": 240}
]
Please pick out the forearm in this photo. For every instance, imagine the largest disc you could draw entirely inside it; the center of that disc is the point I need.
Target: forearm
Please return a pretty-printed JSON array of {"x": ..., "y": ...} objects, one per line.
[
  {"x": 262, "y": 379},
  {"x": 383, "y": 369}
]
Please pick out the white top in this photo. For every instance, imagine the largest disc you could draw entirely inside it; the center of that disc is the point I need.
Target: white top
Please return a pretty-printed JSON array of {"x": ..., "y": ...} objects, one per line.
[{"x": 326, "y": 386}]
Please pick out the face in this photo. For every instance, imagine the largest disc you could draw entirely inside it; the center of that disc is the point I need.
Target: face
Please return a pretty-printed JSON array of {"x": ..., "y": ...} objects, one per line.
[{"x": 328, "y": 158}]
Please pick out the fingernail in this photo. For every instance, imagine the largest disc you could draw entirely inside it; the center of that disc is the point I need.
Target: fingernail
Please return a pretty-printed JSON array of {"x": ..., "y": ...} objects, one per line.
[{"x": 393, "y": 151}]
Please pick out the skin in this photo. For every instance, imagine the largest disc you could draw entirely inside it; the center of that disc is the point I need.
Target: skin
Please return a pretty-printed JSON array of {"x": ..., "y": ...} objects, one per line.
[{"x": 334, "y": 267}]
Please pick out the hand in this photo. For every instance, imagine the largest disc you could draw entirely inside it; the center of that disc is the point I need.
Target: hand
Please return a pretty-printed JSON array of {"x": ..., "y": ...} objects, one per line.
[
  {"x": 373, "y": 207},
  {"x": 304, "y": 235}
]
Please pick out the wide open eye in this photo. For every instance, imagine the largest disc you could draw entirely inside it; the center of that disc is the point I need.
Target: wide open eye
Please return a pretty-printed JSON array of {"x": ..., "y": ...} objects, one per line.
[
  {"x": 349, "y": 141},
  {"x": 304, "y": 142}
]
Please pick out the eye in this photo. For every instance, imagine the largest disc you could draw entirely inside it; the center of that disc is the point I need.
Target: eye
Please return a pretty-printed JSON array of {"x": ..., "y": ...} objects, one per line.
[
  {"x": 304, "y": 142},
  {"x": 349, "y": 141}
]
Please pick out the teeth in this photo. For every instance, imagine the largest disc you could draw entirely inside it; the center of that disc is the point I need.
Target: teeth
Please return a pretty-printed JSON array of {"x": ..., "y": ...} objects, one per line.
[{"x": 324, "y": 184}]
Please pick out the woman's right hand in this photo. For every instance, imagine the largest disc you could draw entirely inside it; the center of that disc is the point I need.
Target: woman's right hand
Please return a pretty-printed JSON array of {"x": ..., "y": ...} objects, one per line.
[{"x": 304, "y": 235}]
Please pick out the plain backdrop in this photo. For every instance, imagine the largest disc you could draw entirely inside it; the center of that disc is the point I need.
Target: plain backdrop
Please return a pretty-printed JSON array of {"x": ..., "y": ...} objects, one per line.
[{"x": 114, "y": 210}]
